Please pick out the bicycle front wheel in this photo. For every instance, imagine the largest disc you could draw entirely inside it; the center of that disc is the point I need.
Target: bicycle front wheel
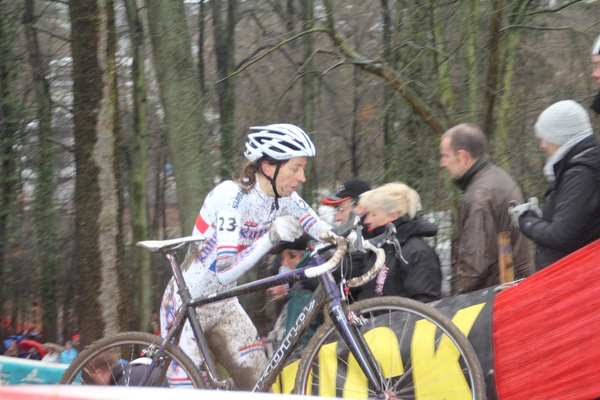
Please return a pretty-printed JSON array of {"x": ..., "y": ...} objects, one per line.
[
  {"x": 123, "y": 359},
  {"x": 420, "y": 353}
]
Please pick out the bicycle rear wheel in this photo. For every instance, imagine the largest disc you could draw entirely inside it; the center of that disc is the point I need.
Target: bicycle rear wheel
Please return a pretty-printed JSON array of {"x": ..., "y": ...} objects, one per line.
[
  {"x": 420, "y": 353},
  {"x": 126, "y": 349}
]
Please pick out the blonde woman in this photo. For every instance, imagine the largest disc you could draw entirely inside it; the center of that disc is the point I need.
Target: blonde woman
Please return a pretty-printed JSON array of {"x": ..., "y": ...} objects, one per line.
[{"x": 413, "y": 270}]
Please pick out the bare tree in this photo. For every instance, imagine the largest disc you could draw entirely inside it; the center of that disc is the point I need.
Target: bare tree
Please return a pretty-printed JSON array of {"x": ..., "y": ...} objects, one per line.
[
  {"x": 97, "y": 192},
  {"x": 138, "y": 157},
  {"x": 183, "y": 106}
]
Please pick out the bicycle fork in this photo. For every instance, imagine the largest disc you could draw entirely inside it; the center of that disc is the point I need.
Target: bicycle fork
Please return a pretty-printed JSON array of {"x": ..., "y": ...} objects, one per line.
[{"x": 349, "y": 332}]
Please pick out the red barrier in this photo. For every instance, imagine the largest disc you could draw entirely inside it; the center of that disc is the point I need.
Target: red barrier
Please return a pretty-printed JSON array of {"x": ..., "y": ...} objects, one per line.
[
  {"x": 546, "y": 332},
  {"x": 66, "y": 392}
]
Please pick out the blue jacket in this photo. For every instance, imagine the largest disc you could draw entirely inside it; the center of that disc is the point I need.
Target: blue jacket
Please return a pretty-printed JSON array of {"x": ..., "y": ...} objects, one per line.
[{"x": 67, "y": 356}]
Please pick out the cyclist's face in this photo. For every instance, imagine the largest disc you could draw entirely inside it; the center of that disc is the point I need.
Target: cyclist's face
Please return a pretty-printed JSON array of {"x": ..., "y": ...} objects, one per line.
[{"x": 290, "y": 176}]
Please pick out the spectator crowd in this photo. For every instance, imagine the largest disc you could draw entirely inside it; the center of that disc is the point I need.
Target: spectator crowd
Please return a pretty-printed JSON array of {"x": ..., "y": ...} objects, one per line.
[{"x": 28, "y": 345}]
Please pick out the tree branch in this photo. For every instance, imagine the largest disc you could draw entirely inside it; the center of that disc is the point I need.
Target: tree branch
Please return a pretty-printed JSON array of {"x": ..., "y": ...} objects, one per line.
[
  {"x": 540, "y": 28},
  {"x": 68, "y": 148},
  {"x": 553, "y": 10},
  {"x": 380, "y": 67},
  {"x": 283, "y": 43},
  {"x": 52, "y": 34}
]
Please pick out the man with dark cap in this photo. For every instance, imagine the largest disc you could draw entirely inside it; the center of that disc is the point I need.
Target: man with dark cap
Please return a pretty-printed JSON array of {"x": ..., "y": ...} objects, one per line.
[
  {"x": 571, "y": 211},
  {"x": 298, "y": 295},
  {"x": 596, "y": 72},
  {"x": 346, "y": 199}
]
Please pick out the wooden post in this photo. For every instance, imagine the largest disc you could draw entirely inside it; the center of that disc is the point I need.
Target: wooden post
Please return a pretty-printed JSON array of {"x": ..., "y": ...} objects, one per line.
[{"x": 505, "y": 259}]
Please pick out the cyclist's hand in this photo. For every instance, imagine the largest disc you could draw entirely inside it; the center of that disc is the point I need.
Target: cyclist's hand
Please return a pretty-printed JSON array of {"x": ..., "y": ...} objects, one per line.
[{"x": 286, "y": 228}]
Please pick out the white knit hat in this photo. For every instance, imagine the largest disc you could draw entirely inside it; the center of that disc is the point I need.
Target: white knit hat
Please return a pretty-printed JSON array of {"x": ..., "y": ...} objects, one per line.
[
  {"x": 596, "y": 46},
  {"x": 562, "y": 122}
]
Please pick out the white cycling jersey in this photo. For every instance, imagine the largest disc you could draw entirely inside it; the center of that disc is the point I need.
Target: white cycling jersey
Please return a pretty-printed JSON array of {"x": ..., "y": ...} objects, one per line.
[{"x": 233, "y": 222}]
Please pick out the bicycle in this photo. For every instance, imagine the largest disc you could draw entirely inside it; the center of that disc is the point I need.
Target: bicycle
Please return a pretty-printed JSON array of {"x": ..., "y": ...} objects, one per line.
[{"x": 372, "y": 340}]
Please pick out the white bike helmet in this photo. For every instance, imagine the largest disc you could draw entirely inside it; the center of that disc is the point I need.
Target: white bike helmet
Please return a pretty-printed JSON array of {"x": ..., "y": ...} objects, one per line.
[{"x": 278, "y": 141}]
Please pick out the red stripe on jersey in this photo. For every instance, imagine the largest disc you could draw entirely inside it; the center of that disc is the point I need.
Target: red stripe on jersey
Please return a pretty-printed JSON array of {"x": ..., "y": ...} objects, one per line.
[{"x": 201, "y": 225}]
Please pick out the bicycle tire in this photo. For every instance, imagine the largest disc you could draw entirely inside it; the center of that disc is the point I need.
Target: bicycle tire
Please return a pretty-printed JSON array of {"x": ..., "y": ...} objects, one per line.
[
  {"x": 406, "y": 373},
  {"x": 128, "y": 346}
]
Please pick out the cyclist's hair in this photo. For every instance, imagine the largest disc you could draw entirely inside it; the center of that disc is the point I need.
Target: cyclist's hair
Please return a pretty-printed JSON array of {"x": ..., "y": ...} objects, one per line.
[
  {"x": 393, "y": 197},
  {"x": 247, "y": 175},
  {"x": 468, "y": 137},
  {"x": 104, "y": 361}
]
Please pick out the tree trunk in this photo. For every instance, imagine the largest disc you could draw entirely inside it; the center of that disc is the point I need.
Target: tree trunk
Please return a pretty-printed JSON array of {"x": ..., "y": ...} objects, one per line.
[
  {"x": 44, "y": 210},
  {"x": 445, "y": 91},
  {"x": 9, "y": 129},
  {"x": 138, "y": 204},
  {"x": 182, "y": 101},
  {"x": 97, "y": 201},
  {"x": 224, "y": 34},
  {"x": 492, "y": 68},
  {"x": 470, "y": 18},
  {"x": 308, "y": 99},
  {"x": 388, "y": 133},
  {"x": 201, "y": 66}
]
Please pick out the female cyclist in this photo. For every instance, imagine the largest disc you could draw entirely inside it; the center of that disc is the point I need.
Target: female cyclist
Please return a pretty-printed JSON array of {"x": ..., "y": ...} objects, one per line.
[{"x": 242, "y": 220}]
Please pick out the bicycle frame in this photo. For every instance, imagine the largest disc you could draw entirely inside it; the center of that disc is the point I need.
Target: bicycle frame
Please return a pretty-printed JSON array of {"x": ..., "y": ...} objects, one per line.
[{"x": 327, "y": 293}]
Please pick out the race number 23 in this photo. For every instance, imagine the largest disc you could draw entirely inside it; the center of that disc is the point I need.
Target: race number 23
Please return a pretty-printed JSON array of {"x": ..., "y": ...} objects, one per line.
[
  {"x": 227, "y": 223},
  {"x": 228, "y": 229}
]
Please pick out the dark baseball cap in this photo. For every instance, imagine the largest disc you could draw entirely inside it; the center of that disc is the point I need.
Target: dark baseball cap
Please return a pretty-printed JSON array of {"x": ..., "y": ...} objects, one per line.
[{"x": 349, "y": 190}]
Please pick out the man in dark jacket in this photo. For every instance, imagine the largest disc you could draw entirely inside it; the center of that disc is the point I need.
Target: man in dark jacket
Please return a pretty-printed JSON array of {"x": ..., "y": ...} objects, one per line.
[
  {"x": 482, "y": 213},
  {"x": 571, "y": 214}
]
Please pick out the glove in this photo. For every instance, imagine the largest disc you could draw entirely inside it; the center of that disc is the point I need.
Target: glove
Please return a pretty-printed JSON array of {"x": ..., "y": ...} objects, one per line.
[
  {"x": 286, "y": 228},
  {"x": 516, "y": 210},
  {"x": 533, "y": 201}
]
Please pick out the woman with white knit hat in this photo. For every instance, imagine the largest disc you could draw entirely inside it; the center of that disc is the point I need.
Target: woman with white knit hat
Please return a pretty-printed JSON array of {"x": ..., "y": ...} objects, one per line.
[{"x": 571, "y": 214}]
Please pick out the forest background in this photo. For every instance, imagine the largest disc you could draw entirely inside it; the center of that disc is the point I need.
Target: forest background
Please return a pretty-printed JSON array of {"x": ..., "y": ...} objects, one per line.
[{"x": 117, "y": 117}]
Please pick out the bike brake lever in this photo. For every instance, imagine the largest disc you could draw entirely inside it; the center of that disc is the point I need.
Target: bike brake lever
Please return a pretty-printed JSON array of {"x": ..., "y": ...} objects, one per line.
[
  {"x": 388, "y": 234},
  {"x": 359, "y": 239},
  {"x": 345, "y": 228}
]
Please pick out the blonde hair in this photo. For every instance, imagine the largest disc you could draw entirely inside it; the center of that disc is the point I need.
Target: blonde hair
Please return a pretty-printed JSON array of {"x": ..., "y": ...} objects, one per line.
[{"x": 392, "y": 197}]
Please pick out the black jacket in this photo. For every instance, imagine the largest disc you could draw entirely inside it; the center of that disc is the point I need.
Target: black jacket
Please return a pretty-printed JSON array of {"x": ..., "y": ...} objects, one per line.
[
  {"x": 571, "y": 214},
  {"x": 417, "y": 275}
]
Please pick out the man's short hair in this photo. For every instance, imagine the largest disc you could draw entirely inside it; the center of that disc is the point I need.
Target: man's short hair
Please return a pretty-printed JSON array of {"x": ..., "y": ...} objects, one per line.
[{"x": 468, "y": 137}]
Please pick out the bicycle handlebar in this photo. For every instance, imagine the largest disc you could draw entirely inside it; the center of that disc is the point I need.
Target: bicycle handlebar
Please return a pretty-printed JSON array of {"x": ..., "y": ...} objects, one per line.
[
  {"x": 374, "y": 245},
  {"x": 342, "y": 245},
  {"x": 372, "y": 273}
]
